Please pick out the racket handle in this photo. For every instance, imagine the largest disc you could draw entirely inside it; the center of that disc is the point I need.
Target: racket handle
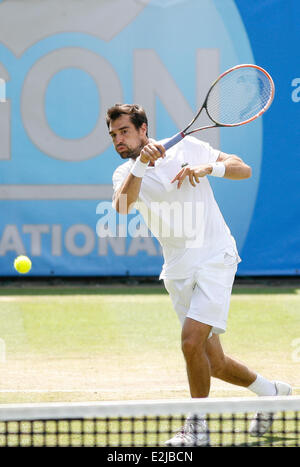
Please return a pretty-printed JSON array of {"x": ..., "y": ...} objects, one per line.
[{"x": 174, "y": 140}]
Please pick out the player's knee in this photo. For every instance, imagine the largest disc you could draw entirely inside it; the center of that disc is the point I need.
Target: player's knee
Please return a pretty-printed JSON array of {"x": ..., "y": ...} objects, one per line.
[{"x": 191, "y": 346}]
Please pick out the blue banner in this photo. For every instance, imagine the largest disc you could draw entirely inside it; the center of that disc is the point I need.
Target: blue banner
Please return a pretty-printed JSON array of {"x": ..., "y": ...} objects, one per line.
[{"x": 61, "y": 68}]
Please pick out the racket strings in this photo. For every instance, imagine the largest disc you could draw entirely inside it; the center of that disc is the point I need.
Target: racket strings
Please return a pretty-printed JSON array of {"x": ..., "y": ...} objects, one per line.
[{"x": 239, "y": 96}]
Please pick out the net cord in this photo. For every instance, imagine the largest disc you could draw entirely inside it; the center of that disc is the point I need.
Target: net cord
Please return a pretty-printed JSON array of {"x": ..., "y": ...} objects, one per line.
[{"x": 76, "y": 410}]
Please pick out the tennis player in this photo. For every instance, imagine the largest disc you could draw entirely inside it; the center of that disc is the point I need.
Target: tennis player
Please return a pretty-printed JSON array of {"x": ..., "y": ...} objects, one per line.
[{"x": 173, "y": 193}]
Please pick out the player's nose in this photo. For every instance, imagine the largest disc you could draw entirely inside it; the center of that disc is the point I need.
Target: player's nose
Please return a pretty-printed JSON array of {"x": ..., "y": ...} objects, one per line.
[{"x": 118, "y": 139}]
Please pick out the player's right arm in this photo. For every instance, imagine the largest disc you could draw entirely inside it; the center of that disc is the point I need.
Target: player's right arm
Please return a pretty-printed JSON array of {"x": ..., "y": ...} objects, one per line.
[{"x": 128, "y": 193}]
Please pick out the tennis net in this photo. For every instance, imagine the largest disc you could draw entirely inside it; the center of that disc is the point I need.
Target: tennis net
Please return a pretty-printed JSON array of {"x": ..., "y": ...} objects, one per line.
[{"x": 147, "y": 423}]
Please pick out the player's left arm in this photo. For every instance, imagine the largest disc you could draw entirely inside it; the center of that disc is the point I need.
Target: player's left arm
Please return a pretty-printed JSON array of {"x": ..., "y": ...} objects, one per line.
[{"x": 235, "y": 167}]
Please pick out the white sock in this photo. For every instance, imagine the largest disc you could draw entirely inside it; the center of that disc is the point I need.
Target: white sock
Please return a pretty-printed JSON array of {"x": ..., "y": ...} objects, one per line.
[{"x": 263, "y": 387}]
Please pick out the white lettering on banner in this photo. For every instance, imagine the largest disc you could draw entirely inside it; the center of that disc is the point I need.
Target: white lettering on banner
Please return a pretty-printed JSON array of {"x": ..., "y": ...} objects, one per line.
[
  {"x": 56, "y": 243},
  {"x": 11, "y": 240},
  {"x": 151, "y": 80},
  {"x": 36, "y": 231},
  {"x": 117, "y": 244},
  {"x": 33, "y": 103},
  {"x": 89, "y": 240},
  {"x": 296, "y": 91}
]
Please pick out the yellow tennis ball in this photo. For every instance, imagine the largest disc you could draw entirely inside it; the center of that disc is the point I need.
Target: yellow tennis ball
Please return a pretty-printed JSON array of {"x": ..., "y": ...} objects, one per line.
[{"x": 22, "y": 264}]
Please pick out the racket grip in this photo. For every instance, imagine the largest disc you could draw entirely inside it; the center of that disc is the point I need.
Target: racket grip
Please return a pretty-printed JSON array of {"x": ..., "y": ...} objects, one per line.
[{"x": 174, "y": 140}]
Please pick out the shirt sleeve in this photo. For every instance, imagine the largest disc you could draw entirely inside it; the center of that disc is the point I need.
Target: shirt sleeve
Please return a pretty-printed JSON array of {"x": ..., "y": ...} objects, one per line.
[
  {"x": 201, "y": 152},
  {"x": 212, "y": 153}
]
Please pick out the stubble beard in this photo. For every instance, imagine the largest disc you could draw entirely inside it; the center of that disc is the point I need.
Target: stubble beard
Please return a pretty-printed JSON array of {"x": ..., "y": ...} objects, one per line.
[{"x": 132, "y": 153}]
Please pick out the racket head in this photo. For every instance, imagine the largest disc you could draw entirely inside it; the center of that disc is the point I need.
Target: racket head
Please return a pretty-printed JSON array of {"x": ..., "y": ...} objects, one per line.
[{"x": 240, "y": 95}]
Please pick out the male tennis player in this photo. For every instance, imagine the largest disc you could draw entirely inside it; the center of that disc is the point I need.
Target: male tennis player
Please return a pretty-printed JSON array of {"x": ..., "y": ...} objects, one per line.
[{"x": 172, "y": 191}]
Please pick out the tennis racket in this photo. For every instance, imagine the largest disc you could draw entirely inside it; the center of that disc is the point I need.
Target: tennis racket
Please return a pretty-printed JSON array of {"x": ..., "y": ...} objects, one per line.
[{"x": 238, "y": 96}]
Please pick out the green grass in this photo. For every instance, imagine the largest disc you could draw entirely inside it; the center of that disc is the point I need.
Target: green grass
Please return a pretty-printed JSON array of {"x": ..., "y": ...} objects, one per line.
[
  {"x": 129, "y": 321},
  {"x": 126, "y": 341},
  {"x": 264, "y": 325},
  {"x": 80, "y": 326}
]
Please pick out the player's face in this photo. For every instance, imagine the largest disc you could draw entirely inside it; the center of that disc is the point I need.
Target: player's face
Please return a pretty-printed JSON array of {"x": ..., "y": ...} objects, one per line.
[{"x": 127, "y": 139}]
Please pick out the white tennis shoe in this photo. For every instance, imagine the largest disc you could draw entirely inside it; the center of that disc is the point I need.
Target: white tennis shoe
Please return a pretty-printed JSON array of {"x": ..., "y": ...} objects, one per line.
[
  {"x": 262, "y": 421},
  {"x": 193, "y": 433}
]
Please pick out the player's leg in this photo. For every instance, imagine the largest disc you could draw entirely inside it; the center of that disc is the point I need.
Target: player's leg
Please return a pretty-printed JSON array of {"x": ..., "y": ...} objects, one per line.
[
  {"x": 194, "y": 432},
  {"x": 194, "y": 343},
  {"x": 226, "y": 368},
  {"x": 194, "y": 336},
  {"x": 235, "y": 372},
  {"x": 210, "y": 304}
]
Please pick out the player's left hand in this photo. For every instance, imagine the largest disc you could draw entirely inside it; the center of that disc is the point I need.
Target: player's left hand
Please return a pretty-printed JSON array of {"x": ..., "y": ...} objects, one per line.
[{"x": 193, "y": 173}]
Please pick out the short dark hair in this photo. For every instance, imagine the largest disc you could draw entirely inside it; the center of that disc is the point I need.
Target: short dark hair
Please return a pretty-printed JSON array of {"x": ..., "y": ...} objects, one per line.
[{"x": 136, "y": 113}]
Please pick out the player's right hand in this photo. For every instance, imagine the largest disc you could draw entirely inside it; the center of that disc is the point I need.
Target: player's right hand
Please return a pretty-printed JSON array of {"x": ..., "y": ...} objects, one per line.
[{"x": 151, "y": 152}]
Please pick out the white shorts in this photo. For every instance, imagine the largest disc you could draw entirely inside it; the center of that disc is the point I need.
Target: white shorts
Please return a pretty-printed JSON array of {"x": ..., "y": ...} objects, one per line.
[{"x": 205, "y": 296}]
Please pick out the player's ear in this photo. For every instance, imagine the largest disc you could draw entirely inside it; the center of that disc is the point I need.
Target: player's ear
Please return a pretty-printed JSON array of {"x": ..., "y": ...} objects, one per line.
[{"x": 144, "y": 129}]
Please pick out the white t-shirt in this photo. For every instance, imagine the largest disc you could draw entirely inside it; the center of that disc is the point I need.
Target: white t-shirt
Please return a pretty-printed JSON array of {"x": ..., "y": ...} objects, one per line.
[{"x": 187, "y": 221}]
